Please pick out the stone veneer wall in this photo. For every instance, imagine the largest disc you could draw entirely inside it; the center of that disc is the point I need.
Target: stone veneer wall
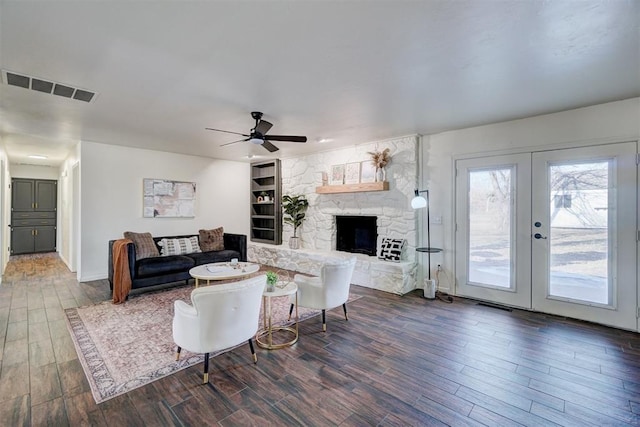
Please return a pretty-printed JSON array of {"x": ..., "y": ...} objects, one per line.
[{"x": 396, "y": 219}]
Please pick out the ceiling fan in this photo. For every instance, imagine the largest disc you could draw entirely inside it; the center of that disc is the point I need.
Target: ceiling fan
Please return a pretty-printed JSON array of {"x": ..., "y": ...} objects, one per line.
[{"x": 258, "y": 134}]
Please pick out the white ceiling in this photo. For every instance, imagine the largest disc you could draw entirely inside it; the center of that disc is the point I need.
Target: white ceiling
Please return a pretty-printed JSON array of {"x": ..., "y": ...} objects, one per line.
[{"x": 351, "y": 71}]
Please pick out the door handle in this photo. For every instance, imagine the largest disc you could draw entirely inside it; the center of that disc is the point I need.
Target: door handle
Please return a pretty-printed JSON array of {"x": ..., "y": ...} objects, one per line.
[{"x": 539, "y": 236}]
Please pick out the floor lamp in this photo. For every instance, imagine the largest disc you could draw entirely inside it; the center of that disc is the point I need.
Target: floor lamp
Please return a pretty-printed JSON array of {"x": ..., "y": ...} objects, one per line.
[{"x": 420, "y": 202}]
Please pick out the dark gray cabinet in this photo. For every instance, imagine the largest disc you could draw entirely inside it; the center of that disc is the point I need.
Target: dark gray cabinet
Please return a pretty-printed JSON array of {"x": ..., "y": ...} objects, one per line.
[
  {"x": 23, "y": 195},
  {"x": 266, "y": 197},
  {"x": 22, "y": 240},
  {"x": 33, "y": 195},
  {"x": 46, "y": 196},
  {"x": 33, "y": 215}
]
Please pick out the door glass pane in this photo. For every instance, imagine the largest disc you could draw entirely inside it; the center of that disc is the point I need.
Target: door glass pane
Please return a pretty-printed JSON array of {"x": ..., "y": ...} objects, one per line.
[
  {"x": 490, "y": 227},
  {"x": 579, "y": 230}
]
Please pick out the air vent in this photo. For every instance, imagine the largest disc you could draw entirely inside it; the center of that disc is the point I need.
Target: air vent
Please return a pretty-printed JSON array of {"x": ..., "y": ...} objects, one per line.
[
  {"x": 498, "y": 306},
  {"x": 62, "y": 90},
  {"x": 46, "y": 86},
  {"x": 41, "y": 85},
  {"x": 16, "y": 80}
]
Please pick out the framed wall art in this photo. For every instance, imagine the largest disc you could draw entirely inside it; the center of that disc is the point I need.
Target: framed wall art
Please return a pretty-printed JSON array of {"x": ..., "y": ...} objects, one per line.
[
  {"x": 168, "y": 199},
  {"x": 367, "y": 171},
  {"x": 337, "y": 175},
  {"x": 352, "y": 173}
]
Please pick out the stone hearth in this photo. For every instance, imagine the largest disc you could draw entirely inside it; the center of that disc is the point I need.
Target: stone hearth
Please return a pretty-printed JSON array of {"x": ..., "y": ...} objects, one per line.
[{"x": 395, "y": 277}]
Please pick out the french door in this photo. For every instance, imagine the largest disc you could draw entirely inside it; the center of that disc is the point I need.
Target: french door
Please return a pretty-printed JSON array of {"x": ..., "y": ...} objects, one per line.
[
  {"x": 493, "y": 213},
  {"x": 553, "y": 231}
]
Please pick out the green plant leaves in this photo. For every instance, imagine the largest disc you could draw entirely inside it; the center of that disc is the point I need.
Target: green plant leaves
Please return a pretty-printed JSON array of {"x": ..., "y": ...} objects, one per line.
[{"x": 295, "y": 208}]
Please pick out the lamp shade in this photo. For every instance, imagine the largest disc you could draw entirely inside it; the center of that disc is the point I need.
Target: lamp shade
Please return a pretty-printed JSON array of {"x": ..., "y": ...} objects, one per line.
[
  {"x": 257, "y": 141},
  {"x": 418, "y": 202}
]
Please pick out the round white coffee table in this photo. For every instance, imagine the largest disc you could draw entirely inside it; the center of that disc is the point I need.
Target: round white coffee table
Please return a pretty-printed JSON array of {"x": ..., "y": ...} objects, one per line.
[
  {"x": 268, "y": 328},
  {"x": 222, "y": 271}
]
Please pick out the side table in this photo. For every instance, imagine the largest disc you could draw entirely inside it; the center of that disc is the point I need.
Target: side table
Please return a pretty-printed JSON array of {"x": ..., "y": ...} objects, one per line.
[{"x": 264, "y": 337}]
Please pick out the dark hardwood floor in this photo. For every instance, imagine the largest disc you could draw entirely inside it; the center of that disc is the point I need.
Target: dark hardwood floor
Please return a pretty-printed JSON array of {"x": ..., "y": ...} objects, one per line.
[{"x": 398, "y": 361}]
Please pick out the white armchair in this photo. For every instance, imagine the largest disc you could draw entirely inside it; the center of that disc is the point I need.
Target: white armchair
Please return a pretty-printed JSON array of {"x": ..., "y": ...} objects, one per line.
[
  {"x": 328, "y": 291},
  {"x": 221, "y": 317}
]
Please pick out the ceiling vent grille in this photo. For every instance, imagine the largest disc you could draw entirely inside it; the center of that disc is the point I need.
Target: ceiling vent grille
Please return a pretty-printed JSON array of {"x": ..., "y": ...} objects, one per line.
[{"x": 50, "y": 87}]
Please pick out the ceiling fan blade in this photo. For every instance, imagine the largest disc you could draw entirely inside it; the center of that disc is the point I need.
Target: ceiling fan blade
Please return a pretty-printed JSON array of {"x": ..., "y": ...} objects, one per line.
[
  {"x": 263, "y": 127},
  {"x": 233, "y": 142},
  {"x": 288, "y": 138},
  {"x": 269, "y": 146},
  {"x": 227, "y": 131}
]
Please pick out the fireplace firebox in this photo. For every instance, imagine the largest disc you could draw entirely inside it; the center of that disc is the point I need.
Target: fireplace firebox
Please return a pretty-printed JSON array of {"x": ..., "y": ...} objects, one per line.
[{"x": 357, "y": 234}]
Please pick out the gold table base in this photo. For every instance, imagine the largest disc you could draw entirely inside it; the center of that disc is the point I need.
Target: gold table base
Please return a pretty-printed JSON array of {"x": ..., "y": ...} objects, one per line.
[
  {"x": 268, "y": 334},
  {"x": 264, "y": 337}
]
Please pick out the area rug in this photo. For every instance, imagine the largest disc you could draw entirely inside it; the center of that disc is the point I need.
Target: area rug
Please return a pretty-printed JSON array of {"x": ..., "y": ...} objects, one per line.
[{"x": 123, "y": 347}]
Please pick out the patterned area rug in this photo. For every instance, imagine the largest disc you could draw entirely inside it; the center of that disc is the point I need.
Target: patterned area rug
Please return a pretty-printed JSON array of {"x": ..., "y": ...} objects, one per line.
[{"x": 122, "y": 347}]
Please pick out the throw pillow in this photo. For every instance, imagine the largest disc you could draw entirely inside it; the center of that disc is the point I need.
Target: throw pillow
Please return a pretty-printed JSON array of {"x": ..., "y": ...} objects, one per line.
[
  {"x": 212, "y": 240},
  {"x": 391, "y": 249},
  {"x": 184, "y": 245},
  {"x": 145, "y": 246}
]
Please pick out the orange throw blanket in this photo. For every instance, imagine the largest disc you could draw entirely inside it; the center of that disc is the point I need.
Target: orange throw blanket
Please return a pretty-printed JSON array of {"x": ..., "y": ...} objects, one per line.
[{"x": 121, "y": 274}]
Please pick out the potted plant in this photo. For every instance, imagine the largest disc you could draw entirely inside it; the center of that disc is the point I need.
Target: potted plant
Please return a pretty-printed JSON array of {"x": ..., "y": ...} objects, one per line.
[
  {"x": 295, "y": 208},
  {"x": 272, "y": 279}
]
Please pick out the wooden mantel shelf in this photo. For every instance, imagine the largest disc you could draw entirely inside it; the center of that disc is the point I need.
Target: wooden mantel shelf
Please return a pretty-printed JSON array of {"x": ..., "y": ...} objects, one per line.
[{"x": 353, "y": 188}]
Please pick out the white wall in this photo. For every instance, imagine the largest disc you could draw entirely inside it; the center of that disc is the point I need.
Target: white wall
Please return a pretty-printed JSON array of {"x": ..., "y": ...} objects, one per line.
[
  {"x": 5, "y": 208},
  {"x": 34, "y": 171},
  {"x": 611, "y": 122},
  {"x": 111, "y": 197}
]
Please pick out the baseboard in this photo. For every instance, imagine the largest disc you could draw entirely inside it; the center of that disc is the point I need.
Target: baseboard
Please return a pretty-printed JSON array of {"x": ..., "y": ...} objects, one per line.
[
  {"x": 92, "y": 277},
  {"x": 66, "y": 262}
]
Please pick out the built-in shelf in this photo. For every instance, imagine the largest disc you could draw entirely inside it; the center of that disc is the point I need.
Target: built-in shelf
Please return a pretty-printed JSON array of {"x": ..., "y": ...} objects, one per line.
[
  {"x": 353, "y": 188},
  {"x": 266, "y": 216}
]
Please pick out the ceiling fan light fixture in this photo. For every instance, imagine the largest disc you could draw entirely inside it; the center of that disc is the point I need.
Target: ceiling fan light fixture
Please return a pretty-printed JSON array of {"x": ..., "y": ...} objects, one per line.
[{"x": 257, "y": 135}]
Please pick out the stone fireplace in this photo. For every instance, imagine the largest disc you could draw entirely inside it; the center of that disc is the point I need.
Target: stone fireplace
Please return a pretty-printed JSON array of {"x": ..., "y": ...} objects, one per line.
[{"x": 395, "y": 218}]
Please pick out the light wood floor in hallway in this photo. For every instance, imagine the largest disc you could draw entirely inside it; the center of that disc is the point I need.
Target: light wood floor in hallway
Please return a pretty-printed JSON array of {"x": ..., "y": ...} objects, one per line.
[{"x": 398, "y": 361}]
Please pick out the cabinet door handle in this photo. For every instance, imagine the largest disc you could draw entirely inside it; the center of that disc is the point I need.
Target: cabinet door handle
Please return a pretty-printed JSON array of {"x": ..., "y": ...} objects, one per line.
[
  {"x": 33, "y": 232},
  {"x": 36, "y": 232},
  {"x": 36, "y": 206}
]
